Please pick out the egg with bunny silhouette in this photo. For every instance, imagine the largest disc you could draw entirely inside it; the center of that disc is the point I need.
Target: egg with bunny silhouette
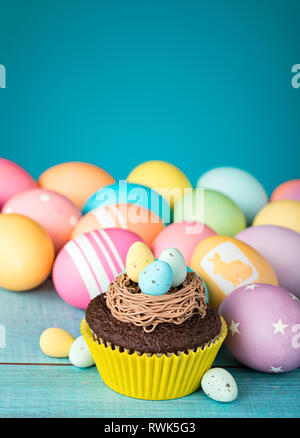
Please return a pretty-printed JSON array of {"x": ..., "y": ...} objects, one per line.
[{"x": 226, "y": 263}]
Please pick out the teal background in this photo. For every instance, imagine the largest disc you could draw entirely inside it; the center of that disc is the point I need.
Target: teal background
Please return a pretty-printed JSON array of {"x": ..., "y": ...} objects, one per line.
[{"x": 115, "y": 83}]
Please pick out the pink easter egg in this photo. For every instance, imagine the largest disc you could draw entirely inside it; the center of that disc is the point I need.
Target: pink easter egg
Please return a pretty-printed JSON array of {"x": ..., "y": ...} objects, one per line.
[
  {"x": 86, "y": 265},
  {"x": 287, "y": 190},
  {"x": 53, "y": 211},
  {"x": 13, "y": 179},
  {"x": 263, "y": 327},
  {"x": 184, "y": 236}
]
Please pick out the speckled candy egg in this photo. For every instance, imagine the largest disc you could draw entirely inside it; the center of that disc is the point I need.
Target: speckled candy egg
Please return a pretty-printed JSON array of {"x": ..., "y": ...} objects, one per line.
[
  {"x": 263, "y": 327},
  {"x": 284, "y": 213},
  {"x": 126, "y": 193},
  {"x": 76, "y": 180},
  {"x": 141, "y": 221},
  {"x": 212, "y": 208},
  {"x": 175, "y": 260},
  {"x": 85, "y": 266},
  {"x": 287, "y": 190},
  {"x": 138, "y": 257},
  {"x": 226, "y": 263},
  {"x": 219, "y": 385},
  {"x": 163, "y": 177},
  {"x": 184, "y": 236},
  {"x": 56, "y": 213},
  {"x": 80, "y": 355},
  {"x": 156, "y": 278},
  {"x": 26, "y": 253},
  {"x": 240, "y": 186},
  {"x": 13, "y": 179},
  {"x": 281, "y": 248}
]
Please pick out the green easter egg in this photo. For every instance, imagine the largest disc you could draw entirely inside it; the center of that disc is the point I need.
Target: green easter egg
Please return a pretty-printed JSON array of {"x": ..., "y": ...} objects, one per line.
[{"x": 211, "y": 208}]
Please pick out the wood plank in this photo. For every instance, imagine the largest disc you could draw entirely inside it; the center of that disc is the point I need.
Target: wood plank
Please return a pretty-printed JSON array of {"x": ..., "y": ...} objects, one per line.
[
  {"x": 26, "y": 314},
  {"x": 60, "y": 391}
]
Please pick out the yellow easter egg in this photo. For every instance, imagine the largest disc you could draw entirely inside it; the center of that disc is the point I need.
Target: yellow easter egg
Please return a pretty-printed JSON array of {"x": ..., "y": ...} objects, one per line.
[
  {"x": 138, "y": 257},
  {"x": 284, "y": 213},
  {"x": 56, "y": 342},
  {"x": 164, "y": 177},
  {"x": 26, "y": 253},
  {"x": 225, "y": 264}
]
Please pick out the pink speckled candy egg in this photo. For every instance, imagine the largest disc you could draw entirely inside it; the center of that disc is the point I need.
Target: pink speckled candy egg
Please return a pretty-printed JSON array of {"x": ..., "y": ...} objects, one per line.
[
  {"x": 56, "y": 213},
  {"x": 184, "y": 236},
  {"x": 87, "y": 264},
  {"x": 287, "y": 190},
  {"x": 13, "y": 179},
  {"x": 281, "y": 248},
  {"x": 263, "y": 327}
]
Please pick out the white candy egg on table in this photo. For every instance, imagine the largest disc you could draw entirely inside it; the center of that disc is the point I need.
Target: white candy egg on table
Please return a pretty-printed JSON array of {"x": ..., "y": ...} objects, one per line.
[
  {"x": 80, "y": 355},
  {"x": 218, "y": 384}
]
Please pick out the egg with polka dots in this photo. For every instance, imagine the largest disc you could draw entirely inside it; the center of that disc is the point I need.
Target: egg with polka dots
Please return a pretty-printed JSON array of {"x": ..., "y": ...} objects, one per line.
[
  {"x": 156, "y": 278},
  {"x": 219, "y": 385},
  {"x": 175, "y": 259},
  {"x": 53, "y": 211}
]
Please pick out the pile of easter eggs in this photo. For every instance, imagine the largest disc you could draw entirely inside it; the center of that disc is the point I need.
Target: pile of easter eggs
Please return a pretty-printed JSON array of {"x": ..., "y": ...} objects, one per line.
[{"x": 83, "y": 227}]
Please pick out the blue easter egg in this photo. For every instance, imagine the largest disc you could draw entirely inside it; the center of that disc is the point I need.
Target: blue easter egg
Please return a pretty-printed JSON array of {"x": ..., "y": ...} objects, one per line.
[
  {"x": 205, "y": 287},
  {"x": 128, "y": 193},
  {"x": 156, "y": 278}
]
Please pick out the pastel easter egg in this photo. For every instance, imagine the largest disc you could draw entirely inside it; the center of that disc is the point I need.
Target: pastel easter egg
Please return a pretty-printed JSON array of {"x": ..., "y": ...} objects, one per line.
[
  {"x": 281, "y": 248},
  {"x": 287, "y": 190},
  {"x": 176, "y": 261},
  {"x": 13, "y": 179},
  {"x": 56, "y": 213},
  {"x": 284, "y": 213},
  {"x": 218, "y": 384},
  {"x": 263, "y": 327},
  {"x": 80, "y": 355},
  {"x": 86, "y": 265},
  {"x": 125, "y": 193},
  {"x": 56, "y": 342},
  {"x": 240, "y": 186},
  {"x": 141, "y": 221},
  {"x": 184, "y": 236},
  {"x": 26, "y": 253},
  {"x": 163, "y": 177},
  {"x": 138, "y": 257},
  {"x": 156, "y": 278},
  {"x": 226, "y": 263},
  {"x": 212, "y": 208},
  {"x": 76, "y": 180}
]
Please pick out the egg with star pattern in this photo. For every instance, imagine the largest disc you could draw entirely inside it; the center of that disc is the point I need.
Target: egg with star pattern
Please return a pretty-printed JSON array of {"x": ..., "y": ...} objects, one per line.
[{"x": 263, "y": 327}]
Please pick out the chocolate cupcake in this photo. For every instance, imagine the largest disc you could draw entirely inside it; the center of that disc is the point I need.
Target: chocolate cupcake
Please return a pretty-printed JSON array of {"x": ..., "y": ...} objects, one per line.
[{"x": 153, "y": 346}]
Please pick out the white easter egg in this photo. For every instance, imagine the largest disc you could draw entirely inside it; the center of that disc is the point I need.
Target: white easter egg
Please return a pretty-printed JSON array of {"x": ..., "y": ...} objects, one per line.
[
  {"x": 219, "y": 385},
  {"x": 175, "y": 259},
  {"x": 80, "y": 355}
]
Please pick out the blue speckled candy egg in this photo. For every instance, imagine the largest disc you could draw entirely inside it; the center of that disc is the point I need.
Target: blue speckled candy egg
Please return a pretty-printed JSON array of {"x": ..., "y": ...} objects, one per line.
[
  {"x": 204, "y": 284},
  {"x": 156, "y": 278},
  {"x": 175, "y": 259}
]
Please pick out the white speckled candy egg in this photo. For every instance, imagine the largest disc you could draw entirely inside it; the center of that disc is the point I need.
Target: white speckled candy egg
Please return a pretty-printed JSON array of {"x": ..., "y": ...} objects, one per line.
[
  {"x": 219, "y": 385},
  {"x": 56, "y": 342},
  {"x": 156, "y": 278},
  {"x": 175, "y": 259},
  {"x": 80, "y": 355},
  {"x": 138, "y": 257}
]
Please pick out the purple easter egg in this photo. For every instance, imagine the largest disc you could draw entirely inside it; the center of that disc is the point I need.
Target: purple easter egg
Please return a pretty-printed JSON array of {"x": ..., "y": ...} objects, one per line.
[
  {"x": 263, "y": 327},
  {"x": 281, "y": 248}
]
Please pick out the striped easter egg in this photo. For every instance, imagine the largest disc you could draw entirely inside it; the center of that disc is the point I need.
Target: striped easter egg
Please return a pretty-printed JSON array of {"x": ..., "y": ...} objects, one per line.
[
  {"x": 140, "y": 220},
  {"x": 86, "y": 265}
]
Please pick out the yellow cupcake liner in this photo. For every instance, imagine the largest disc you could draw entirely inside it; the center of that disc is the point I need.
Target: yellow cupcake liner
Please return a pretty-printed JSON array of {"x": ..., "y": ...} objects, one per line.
[{"x": 152, "y": 376}]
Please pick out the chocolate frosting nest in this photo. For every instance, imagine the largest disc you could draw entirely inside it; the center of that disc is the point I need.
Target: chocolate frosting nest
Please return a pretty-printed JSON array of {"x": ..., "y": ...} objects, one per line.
[{"x": 128, "y": 304}]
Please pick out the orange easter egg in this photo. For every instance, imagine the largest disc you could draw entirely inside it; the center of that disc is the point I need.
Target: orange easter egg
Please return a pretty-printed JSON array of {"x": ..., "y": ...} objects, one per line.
[
  {"x": 132, "y": 217},
  {"x": 75, "y": 180},
  {"x": 225, "y": 263}
]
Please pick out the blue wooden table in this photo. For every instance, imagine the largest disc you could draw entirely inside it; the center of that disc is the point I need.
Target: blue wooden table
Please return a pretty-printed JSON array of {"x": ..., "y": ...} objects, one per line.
[{"x": 34, "y": 385}]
